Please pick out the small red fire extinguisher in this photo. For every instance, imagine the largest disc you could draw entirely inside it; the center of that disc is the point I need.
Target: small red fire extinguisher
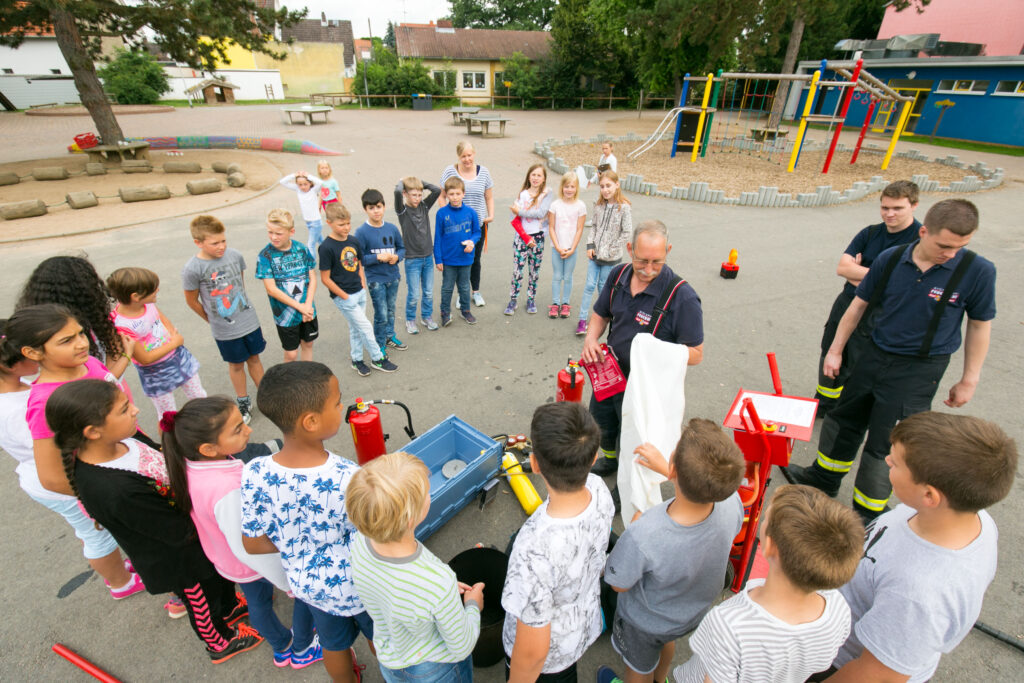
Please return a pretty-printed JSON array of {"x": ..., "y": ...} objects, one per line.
[
  {"x": 367, "y": 431},
  {"x": 570, "y": 383}
]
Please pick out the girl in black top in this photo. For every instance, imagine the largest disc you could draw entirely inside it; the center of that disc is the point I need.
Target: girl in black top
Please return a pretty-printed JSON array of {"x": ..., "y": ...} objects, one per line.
[{"x": 93, "y": 422}]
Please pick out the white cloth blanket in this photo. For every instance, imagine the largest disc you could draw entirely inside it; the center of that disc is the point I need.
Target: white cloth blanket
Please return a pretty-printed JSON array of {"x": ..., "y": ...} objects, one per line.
[{"x": 652, "y": 411}]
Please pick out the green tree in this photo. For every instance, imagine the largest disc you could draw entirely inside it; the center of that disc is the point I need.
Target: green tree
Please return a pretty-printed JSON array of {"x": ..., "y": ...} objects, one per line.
[
  {"x": 581, "y": 53},
  {"x": 196, "y": 32},
  {"x": 522, "y": 15},
  {"x": 134, "y": 77},
  {"x": 521, "y": 73},
  {"x": 385, "y": 74},
  {"x": 389, "y": 36}
]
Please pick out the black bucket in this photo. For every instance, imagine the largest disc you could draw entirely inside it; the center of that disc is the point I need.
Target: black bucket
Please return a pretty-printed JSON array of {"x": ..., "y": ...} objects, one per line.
[{"x": 488, "y": 566}]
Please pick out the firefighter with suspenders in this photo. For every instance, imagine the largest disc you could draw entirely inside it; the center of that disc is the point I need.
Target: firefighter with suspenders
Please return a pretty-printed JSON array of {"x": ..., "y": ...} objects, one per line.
[
  {"x": 919, "y": 294},
  {"x": 643, "y": 295}
]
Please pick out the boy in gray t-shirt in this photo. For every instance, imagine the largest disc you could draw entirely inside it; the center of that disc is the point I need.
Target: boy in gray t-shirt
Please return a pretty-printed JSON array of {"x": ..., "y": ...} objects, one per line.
[
  {"x": 919, "y": 587},
  {"x": 669, "y": 565},
  {"x": 214, "y": 286}
]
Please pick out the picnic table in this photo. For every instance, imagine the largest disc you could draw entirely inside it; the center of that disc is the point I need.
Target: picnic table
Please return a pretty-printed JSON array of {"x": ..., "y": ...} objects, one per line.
[
  {"x": 307, "y": 111},
  {"x": 483, "y": 122},
  {"x": 459, "y": 113},
  {"x": 126, "y": 151}
]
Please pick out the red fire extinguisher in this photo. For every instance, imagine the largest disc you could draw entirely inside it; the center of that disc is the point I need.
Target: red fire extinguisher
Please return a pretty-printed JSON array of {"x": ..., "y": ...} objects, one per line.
[
  {"x": 367, "y": 431},
  {"x": 570, "y": 383}
]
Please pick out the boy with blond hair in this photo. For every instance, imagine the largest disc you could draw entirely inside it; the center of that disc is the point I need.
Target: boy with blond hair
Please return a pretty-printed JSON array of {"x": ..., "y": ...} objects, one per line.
[
  {"x": 552, "y": 591},
  {"x": 927, "y": 564},
  {"x": 288, "y": 272},
  {"x": 670, "y": 564},
  {"x": 423, "y": 630},
  {"x": 413, "y": 211},
  {"x": 788, "y": 625},
  {"x": 214, "y": 283}
]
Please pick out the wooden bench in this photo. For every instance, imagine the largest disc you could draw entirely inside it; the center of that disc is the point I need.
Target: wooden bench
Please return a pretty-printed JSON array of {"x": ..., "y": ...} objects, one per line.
[
  {"x": 459, "y": 114},
  {"x": 483, "y": 122},
  {"x": 126, "y": 151},
  {"x": 307, "y": 111}
]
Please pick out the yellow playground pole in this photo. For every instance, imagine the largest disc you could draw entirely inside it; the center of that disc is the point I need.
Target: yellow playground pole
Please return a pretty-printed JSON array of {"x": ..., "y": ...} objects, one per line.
[
  {"x": 904, "y": 115},
  {"x": 802, "y": 128},
  {"x": 700, "y": 120}
]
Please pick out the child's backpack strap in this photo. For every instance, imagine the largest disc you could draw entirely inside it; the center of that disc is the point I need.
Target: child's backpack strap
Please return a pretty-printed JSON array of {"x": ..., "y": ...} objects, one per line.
[{"x": 661, "y": 308}]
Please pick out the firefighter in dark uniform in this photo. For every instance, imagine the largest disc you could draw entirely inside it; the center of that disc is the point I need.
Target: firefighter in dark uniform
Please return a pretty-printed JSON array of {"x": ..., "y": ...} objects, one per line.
[
  {"x": 898, "y": 226},
  {"x": 627, "y": 303},
  {"x": 922, "y": 291}
]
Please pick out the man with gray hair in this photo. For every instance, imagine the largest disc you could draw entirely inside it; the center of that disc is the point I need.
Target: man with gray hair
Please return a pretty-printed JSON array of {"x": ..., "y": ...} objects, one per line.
[{"x": 643, "y": 295}]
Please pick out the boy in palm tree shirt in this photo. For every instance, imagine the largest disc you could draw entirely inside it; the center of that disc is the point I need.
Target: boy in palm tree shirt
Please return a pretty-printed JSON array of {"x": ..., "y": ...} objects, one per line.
[{"x": 293, "y": 503}]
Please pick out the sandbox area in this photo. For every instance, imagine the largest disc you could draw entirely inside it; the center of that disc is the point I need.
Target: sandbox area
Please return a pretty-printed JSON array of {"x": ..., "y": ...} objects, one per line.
[
  {"x": 261, "y": 172},
  {"x": 738, "y": 171}
]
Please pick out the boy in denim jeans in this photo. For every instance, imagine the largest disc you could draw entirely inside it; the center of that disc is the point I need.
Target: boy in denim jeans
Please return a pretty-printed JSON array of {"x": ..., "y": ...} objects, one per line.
[
  {"x": 341, "y": 271},
  {"x": 382, "y": 247},
  {"x": 456, "y": 232},
  {"x": 413, "y": 211}
]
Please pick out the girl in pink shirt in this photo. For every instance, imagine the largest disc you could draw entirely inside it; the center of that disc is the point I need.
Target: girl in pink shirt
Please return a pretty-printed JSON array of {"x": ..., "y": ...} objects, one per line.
[{"x": 199, "y": 442}]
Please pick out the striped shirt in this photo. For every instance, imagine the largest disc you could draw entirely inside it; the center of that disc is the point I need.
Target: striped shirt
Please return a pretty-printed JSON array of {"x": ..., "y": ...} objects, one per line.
[
  {"x": 474, "y": 189},
  {"x": 741, "y": 641},
  {"x": 418, "y": 615}
]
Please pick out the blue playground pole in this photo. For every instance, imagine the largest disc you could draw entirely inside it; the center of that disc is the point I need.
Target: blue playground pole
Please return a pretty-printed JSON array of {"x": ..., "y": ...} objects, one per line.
[
  {"x": 679, "y": 115},
  {"x": 820, "y": 93}
]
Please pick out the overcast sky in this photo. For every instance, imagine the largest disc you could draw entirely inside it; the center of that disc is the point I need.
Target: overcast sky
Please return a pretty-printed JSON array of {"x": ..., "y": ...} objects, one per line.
[{"x": 379, "y": 12}]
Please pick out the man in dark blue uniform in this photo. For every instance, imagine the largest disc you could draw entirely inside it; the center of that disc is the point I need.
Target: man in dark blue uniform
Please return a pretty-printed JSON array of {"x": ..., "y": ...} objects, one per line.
[
  {"x": 898, "y": 226},
  {"x": 922, "y": 292},
  {"x": 627, "y": 303}
]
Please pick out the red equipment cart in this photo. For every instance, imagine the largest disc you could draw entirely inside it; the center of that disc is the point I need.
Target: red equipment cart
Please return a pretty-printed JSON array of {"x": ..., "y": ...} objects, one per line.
[{"x": 765, "y": 427}]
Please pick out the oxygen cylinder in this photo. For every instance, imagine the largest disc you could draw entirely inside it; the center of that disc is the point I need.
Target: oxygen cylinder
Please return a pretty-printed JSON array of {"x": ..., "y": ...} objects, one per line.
[
  {"x": 520, "y": 483},
  {"x": 367, "y": 432},
  {"x": 570, "y": 383}
]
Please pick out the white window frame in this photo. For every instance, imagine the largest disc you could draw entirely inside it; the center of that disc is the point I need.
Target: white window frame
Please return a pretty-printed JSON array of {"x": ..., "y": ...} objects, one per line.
[
  {"x": 473, "y": 75},
  {"x": 962, "y": 86},
  {"x": 1016, "y": 89}
]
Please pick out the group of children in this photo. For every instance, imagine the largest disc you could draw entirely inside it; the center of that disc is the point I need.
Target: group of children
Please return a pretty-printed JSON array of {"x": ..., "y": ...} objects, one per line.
[{"x": 202, "y": 516}]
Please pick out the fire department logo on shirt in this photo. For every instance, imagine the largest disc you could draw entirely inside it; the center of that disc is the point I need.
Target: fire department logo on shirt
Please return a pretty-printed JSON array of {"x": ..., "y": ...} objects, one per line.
[
  {"x": 643, "y": 318},
  {"x": 936, "y": 294}
]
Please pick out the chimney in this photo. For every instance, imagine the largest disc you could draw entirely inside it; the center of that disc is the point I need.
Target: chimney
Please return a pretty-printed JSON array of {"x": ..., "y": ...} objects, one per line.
[
  {"x": 323, "y": 19},
  {"x": 443, "y": 23}
]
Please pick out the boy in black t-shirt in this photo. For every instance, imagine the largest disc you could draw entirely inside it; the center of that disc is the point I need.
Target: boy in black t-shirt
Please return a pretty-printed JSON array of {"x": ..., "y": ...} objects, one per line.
[{"x": 341, "y": 271}]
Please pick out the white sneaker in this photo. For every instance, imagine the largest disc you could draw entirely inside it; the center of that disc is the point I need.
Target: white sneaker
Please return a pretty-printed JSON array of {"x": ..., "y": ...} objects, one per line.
[
  {"x": 478, "y": 299},
  {"x": 410, "y": 327}
]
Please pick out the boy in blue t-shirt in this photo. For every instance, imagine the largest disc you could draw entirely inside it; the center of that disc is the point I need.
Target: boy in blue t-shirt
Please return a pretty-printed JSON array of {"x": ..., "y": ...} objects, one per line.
[
  {"x": 382, "y": 247},
  {"x": 341, "y": 271},
  {"x": 288, "y": 272},
  {"x": 293, "y": 503},
  {"x": 456, "y": 232}
]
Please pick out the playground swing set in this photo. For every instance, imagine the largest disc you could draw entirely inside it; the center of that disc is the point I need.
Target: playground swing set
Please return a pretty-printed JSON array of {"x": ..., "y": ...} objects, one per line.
[{"x": 728, "y": 96}]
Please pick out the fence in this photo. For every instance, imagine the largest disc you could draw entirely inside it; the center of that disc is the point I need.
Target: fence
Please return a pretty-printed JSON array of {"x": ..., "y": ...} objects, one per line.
[{"x": 335, "y": 99}]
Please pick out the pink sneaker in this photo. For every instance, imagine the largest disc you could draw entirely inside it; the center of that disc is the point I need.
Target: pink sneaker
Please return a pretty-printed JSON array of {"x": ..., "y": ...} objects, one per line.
[
  {"x": 175, "y": 608},
  {"x": 134, "y": 586},
  {"x": 581, "y": 328},
  {"x": 566, "y": 311}
]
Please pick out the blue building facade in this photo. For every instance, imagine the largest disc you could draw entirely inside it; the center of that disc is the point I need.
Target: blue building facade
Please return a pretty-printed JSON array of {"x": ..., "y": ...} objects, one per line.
[{"x": 987, "y": 95}]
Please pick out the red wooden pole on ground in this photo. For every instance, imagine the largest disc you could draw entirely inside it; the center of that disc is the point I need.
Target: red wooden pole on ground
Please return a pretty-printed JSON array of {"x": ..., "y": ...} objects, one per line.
[
  {"x": 847, "y": 96},
  {"x": 84, "y": 664},
  {"x": 863, "y": 130}
]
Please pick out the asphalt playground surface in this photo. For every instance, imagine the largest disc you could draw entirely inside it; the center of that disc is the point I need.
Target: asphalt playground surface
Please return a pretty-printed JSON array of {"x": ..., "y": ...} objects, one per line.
[{"x": 491, "y": 375}]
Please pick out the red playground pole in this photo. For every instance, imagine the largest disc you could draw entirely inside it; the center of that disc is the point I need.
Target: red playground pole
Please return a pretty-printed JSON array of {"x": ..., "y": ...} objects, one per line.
[
  {"x": 84, "y": 664},
  {"x": 847, "y": 96},
  {"x": 863, "y": 130}
]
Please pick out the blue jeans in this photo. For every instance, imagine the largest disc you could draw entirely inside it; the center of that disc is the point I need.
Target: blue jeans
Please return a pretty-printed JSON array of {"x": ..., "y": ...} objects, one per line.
[
  {"x": 360, "y": 331},
  {"x": 316, "y": 236},
  {"x": 419, "y": 282},
  {"x": 431, "y": 672},
  {"x": 453, "y": 276},
  {"x": 260, "y": 596},
  {"x": 561, "y": 278},
  {"x": 383, "y": 295},
  {"x": 596, "y": 277}
]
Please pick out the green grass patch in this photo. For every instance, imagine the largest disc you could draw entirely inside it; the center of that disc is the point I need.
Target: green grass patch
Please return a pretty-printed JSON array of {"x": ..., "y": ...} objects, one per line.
[{"x": 968, "y": 145}]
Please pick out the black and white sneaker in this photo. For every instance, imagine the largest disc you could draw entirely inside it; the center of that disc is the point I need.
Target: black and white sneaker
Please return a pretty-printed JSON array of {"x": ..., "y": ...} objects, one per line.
[
  {"x": 384, "y": 365},
  {"x": 360, "y": 367}
]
